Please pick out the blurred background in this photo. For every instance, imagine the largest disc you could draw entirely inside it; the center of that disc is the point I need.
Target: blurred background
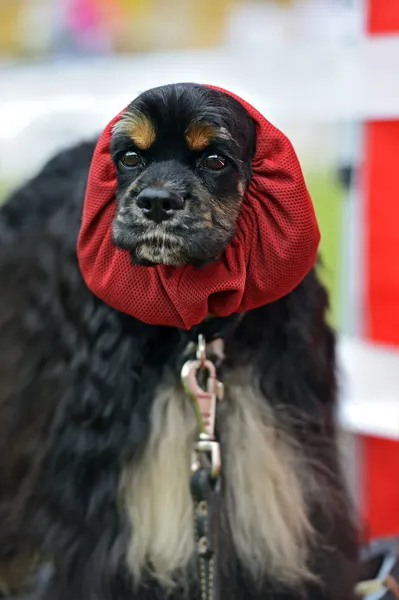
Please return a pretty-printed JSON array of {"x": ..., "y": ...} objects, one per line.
[{"x": 326, "y": 72}]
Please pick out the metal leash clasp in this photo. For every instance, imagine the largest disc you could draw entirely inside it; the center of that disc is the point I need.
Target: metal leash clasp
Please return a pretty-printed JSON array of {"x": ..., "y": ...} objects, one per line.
[{"x": 204, "y": 404}]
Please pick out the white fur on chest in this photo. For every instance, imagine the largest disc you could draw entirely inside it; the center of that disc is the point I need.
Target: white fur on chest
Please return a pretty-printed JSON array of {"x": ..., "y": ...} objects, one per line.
[{"x": 264, "y": 479}]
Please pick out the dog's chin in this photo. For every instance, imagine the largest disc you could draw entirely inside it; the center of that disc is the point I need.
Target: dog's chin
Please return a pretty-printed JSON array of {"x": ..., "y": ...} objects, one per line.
[
  {"x": 149, "y": 255},
  {"x": 153, "y": 248}
]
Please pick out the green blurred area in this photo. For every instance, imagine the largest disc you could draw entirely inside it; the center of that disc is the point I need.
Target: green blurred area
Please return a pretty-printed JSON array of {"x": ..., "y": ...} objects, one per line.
[
  {"x": 327, "y": 195},
  {"x": 5, "y": 187}
]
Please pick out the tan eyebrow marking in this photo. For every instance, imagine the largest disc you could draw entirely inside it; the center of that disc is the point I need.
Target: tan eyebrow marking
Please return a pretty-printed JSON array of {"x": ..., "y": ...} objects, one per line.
[
  {"x": 139, "y": 128},
  {"x": 199, "y": 135}
]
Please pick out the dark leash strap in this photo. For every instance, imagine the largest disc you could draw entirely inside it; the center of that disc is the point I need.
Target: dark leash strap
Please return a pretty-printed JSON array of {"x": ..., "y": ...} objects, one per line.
[
  {"x": 204, "y": 495},
  {"x": 205, "y": 465},
  {"x": 206, "y": 461}
]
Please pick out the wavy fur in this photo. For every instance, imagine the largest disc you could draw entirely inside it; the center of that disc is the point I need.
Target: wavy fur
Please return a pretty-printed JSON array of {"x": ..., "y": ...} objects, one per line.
[{"x": 94, "y": 436}]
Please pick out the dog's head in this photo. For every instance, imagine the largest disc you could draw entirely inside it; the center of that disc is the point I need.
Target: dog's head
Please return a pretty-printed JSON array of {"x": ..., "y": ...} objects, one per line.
[{"x": 183, "y": 159}]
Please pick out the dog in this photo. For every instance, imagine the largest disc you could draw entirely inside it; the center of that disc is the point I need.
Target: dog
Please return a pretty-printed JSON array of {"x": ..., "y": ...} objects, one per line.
[{"x": 96, "y": 431}]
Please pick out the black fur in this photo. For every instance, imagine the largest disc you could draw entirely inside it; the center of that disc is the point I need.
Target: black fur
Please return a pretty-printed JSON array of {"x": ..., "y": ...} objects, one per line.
[{"x": 77, "y": 385}]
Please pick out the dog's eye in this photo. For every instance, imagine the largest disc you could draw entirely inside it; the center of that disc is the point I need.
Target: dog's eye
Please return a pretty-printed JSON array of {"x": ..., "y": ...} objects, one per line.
[
  {"x": 214, "y": 162},
  {"x": 131, "y": 159}
]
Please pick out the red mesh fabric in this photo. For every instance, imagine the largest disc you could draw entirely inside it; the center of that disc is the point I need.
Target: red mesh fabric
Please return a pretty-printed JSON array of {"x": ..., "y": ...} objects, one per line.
[{"x": 274, "y": 248}]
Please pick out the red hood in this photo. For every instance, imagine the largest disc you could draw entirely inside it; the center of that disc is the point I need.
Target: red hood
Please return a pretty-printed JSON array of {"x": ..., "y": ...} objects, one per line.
[{"x": 275, "y": 246}]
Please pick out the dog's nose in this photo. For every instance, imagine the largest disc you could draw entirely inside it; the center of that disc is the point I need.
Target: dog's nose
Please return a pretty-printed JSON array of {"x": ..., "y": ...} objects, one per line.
[{"x": 158, "y": 204}]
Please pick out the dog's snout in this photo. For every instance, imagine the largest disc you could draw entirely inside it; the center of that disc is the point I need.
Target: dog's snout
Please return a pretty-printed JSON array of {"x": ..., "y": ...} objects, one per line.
[{"x": 158, "y": 204}]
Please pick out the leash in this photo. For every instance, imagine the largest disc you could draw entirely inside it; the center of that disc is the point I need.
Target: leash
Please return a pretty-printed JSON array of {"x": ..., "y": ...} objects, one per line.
[
  {"x": 205, "y": 464},
  {"x": 199, "y": 378}
]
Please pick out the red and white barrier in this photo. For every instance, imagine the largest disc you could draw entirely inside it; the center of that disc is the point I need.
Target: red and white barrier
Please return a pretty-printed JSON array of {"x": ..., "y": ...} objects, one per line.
[{"x": 380, "y": 190}]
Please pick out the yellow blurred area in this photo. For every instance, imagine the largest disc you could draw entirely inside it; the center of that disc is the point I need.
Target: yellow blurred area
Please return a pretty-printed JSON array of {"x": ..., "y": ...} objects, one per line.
[
  {"x": 11, "y": 13},
  {"x": 134, "y": 25},
  {"x": 171, "y": 25}
]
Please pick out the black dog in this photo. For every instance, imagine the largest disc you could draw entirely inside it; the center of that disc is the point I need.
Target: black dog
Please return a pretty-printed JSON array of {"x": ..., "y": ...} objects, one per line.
[{"x": 95, "y": 430}]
